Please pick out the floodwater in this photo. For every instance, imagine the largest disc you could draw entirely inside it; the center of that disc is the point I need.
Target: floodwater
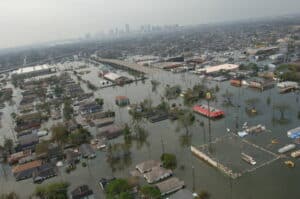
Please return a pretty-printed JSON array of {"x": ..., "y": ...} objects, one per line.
[{"x": 274, "y": 181}]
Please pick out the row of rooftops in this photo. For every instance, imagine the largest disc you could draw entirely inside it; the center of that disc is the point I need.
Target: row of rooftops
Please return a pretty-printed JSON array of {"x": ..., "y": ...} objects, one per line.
[{"x": 154, "y": 173}]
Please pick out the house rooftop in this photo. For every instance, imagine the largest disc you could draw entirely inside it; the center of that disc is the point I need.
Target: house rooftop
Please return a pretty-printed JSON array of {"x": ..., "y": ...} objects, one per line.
[
  {"x": 121, "y": 97},
  {"x": 147, "y": 165},
  {"x": 157, "y": 174},
  {"x": 170, "y": 185},
  {"x": 26, "y": 166},
  {"x": 81, "y": 192},
  {"x": 182, "y": 194}
]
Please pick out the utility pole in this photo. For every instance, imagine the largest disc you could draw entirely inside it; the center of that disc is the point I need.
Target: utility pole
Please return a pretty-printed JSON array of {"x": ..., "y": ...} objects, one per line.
[
  {"x": 162, "y": 144},
  {"x": 230, "y": 181},
  {"x": 208, "y": 98},
  {"x": 193, "y": 173}
]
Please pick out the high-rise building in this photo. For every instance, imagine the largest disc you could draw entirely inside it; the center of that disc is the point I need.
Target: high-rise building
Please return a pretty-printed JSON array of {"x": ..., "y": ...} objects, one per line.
[{"x": 127, "y": 28}]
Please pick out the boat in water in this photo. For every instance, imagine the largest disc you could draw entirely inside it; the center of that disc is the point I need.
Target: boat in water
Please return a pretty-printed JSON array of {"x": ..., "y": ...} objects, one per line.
[
  {"x": 210, "y": 111},
  {"x": 248, "y": 159}
]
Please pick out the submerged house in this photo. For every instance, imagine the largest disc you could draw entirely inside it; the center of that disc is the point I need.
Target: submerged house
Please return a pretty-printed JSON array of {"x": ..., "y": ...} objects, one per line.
[
  {"x": 122, "y": 101},
  {"x": 157, "y": 174},
  {"x": 72, "y": 158},
  {"x": 27, "y": 142},
  {"x": 89, "y": 107},
  {"x": 147, "y": 166},
  {"x": 15, "y": 157},
  {"x": 44, "y": 172},
  {"x": 82, "y": 192},
  {"x": 103, "y": 121},
  {"x": 117, "y": 79},
  {"x": 261, "y": 84},
  {"x": 28, "y": 122},
  {"x": 103, "y": 182},
  {"x": 24, "y": 171},
  {"x": 111, "y": 131},
  {"x": 182, "y": 194},
  {"x": 87, "y": 151},
  {"x": 170, "y": 185}
]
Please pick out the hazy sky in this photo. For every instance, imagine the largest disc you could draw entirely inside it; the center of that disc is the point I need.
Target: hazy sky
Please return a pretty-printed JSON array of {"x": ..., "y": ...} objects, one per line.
[{"x": 32, "y": 21}]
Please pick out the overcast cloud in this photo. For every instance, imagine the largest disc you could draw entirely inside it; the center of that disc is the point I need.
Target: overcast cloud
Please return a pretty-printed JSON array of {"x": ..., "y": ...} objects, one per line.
[{"x": 32, "y": 21}]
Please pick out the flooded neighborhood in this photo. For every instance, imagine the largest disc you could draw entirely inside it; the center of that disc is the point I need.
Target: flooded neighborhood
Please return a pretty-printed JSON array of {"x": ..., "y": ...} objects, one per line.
[{"x": 173, "y": 112}]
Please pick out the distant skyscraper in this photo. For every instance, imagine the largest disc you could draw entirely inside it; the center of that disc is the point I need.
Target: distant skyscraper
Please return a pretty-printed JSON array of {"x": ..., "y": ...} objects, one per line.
[
  {"x": 127, "y": 29},
  {"x": 25, "y": 61},
  {"x": 87, "y": 35}
]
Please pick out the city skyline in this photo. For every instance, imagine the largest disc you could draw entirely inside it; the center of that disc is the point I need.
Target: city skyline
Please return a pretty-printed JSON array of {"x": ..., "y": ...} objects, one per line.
[{"x": 35, "y": 22}]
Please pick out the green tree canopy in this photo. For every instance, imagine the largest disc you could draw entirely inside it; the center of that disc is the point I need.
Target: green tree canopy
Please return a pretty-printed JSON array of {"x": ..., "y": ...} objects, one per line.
[
  {"x": 59, "y": 133},
  {"x": 118, "y": 189},
  {"x": 52, "y": 191},
  {"x": 80, "y": 136},
  {"x": 11, "y": 195},
  {"x": 185, "y": 119},
  {"x": 150, "y": 192},
  {"x": 169, "y": 160}
]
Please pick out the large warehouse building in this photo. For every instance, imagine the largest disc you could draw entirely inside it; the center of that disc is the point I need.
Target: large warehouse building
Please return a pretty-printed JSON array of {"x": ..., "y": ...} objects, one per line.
[
  {"x": 34, "y": 70},
  {"x": 218, "y": 68}
]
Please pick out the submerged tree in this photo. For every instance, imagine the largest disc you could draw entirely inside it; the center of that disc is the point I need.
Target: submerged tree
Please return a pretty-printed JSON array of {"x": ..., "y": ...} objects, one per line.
[
  {"x": 172, "y": 92},
  {"x": 8, "y": 145},
  {"x": 11, "y": 195},
  {"x": 118, "y": 188},
  {"x": 252, "y": 101},
  {"x": 68, "y": 109},
  {"x": 185, "y": 140},
  {"x": 227, "y": 98},
  {"x": 192, "y": 95},
  {"x": 185, "y": 119},
  {"x": 154, "y": 84},
  {"x": 118, "y": 156},
  {"x": 59, "y": 133},
  {"x": 282, "y": 108},
  {"x": 203, "y": 195},
  {"x": 53, "y": 190},
  {"x": 127, "y": 134},
  {"x": 169, "y": 160},
  {"x": 150, "y": 192},
  {"x": 251, "y": 104}
]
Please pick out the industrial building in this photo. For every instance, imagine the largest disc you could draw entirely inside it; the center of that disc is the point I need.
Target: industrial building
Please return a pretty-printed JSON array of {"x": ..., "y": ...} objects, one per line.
[
  {"x": 34, "y": 71},
  {"x": 218, "y": 68}
]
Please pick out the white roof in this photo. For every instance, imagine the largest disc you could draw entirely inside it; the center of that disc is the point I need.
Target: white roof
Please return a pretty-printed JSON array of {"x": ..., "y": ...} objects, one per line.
[
  {"x": 217, "y": 68},
  {"x": 112, "y": 76},
  {"x": 32, "y": 69},
  {"x": 287, "y": 84}
]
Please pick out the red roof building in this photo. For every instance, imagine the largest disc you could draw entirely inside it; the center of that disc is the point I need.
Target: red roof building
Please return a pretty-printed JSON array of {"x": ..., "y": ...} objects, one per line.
[{"x": 210, "y": 112}]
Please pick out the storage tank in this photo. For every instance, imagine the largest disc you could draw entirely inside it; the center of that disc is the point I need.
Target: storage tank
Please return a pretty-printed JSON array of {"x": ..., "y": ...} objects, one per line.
[{"x": 286, "y": 148}]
